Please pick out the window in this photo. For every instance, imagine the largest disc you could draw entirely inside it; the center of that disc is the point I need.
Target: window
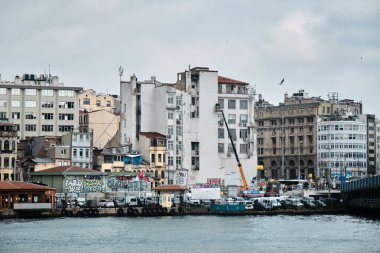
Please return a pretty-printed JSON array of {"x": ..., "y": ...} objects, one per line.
[
  {"x": 243, "y": 118},
  {"x": 81, "y": 152},
  {"x": 178, "y": 161},
  {"x": 220, "y": 147},
  {"x": 170, "y": 130},
  {"x": 170, "y": 161},
  {"x": 243, "y": 148},
  {"x": 178, "y": 101},
  {"x": 243, "y": 104},
  {"x": 243, "y": 133},
  {"x": 30, "y": 115},
  {"x": 47, "y": 93},
  {"x": 221, "y": 103},
  {"x": 15, "y": 91},
  {"x": 30, "y": 128},
  {"x": 47, "y": 128},
  {"x": 178, "y": 129},
  {"x": 16, "y": 103},
  {"x": 15, "y": 115},
  {"x": 75, "y": 152},
  {"x": 47, "y": 116},
  {"x": 171, "y": 98},
  {"x": 63, "y": 151},
  {"x": 65, "y": 128},
  {"x": 170, "y": 145},
  {"x": 220, "y": 133},
  {"x": 47, "y": 104},
  {"x": 87, "y": 153},
  {"x": 231, "y": 104},
  {"x": 108, "y": 103},
  {"x": 230, "y": 149},
  {"x": 3, "y": 103},
  {"x": 231, "y": 118},
  {"x": 30, "y": 103},
  {"x": 98, "y": 103},
  {"x": 3, "y": 91},
  {"x": 170, "y": 115},
  {"x": 159, "y": 158},
  {"x": 66, "y": 93},
  {"x": 66, "y": 116},
  {"x": 67, "y": 105},
  {"x": 30, "y": 92},
  {"x": 3, "y": 115},
  {"x": 87, "y": 101},
  {"x": 233, "y": 133}
]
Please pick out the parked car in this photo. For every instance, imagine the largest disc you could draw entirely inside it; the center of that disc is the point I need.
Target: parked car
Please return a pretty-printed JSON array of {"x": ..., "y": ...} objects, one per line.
[
  {"x": 80, "y": 202},
  {"x": 308, "y": 203},
  {"x": 319, "y": 203},
  {"x": 263, "y": 205},
  {"x": 105, "y": 203}
]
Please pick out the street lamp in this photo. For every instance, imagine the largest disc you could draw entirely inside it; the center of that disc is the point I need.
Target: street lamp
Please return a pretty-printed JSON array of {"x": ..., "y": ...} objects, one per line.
[{"x": 299, "y": 160}]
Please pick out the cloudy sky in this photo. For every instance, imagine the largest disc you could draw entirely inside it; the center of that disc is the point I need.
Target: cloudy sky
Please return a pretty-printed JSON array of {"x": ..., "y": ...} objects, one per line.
[{"x": 319, "y": 46}]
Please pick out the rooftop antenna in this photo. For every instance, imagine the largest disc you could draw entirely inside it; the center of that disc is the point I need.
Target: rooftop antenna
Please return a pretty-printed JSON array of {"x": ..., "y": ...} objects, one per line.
[
  {"x": 121, "y": 71},
  {"x": 49, "y": 75}
]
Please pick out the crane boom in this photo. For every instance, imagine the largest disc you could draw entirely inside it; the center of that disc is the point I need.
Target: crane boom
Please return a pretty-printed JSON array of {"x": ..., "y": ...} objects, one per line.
[{"x": 245, "y": 185}]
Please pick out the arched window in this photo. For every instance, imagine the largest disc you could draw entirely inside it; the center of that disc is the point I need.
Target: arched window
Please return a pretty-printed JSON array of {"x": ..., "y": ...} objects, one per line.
[
  {"x": 156, "y": 174},
  {"x": 6, "y": 145},
  {"x": 13, "y": 145},
  {"x": 162, "y": 174}
]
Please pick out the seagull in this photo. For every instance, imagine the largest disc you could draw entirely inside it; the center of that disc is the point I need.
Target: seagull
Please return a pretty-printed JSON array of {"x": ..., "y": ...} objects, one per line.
[{"x": 282, "y": 81}]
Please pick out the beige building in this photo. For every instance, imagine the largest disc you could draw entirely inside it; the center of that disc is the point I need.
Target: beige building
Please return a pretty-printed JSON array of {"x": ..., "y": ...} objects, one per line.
[
  {"x": 90, "y": 101},
  {"x": 102, "y": 123},
  {"x": 8, "y": 150},
  {"x": 287, "y": 133}
]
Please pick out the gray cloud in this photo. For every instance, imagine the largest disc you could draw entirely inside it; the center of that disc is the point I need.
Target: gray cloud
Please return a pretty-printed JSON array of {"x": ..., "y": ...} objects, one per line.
[{"x": 316, "y": 45}]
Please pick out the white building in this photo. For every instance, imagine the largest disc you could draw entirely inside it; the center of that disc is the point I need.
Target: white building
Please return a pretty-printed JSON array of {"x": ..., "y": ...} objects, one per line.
[
  {"x": 81, "y": 144},
  {"x": 39, "y": 105},
  {"x": 342, "y": 146},
  {"x": 377, "y": 146},
  {"x": 185, "y": 113}
]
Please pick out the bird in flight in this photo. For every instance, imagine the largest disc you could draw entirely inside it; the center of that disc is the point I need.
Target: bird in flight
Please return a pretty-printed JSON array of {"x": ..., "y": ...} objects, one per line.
[{"x": 282, "y": 81}]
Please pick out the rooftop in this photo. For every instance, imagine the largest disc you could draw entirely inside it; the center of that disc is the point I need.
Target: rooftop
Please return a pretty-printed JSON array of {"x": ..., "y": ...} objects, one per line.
[
  {"x": 67, "y": 169},
  {"x": 170, "y": 187},
  {"x": 18, "y": 185},
  {"x": 225, "y": 80},
  {"x": 153, "y": 135}
]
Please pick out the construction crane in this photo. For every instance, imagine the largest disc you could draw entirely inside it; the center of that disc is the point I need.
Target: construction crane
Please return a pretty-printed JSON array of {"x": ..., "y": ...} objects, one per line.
[{"x": 244, "y": 185}]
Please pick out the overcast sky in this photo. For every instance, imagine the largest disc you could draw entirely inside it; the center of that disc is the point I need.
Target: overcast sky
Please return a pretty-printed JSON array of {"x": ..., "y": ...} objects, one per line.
[{"x": 319, "y": 46}]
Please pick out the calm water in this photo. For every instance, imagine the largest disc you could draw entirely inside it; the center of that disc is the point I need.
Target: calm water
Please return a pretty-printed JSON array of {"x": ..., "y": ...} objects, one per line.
[{"x": 324, "y": 233}]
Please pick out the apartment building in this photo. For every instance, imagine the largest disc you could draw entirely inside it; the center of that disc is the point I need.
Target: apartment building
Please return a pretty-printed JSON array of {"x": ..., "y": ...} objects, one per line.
[
  {"x": 39, "y": 105},
  {"x": 90, "y": 100},
  {"x": 8, "y": 150},
  {"x": 371, "y": 139},
  {"x": 287, "y": 133},
  {"x": 377, "y": 146},
  {"x": 184, "y": 111},
  {"x": 81, "y": 151},
  {"x": 342, "y": 146}
]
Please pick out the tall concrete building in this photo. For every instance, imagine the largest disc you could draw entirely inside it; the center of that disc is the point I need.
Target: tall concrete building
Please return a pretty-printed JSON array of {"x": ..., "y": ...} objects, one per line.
[
  {"x": 39, "y": 105},
  {"x": 197, "y": 142},
  {"x": 377, "y": 146},
  {"x": 371, "y": 138},
  {"x": 342, "y": 146},
  {"x": 287, "y": 133}
]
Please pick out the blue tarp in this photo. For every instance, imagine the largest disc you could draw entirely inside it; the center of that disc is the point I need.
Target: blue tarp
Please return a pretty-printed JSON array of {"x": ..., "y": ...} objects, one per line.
[{"x": 133, "y": 159}]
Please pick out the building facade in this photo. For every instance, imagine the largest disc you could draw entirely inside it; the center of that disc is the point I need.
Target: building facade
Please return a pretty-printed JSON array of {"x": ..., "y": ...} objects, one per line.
[
  {"x": 81, "y": 144},
  {"x": 287, "y": 133},
  {"x": 103, "y": 124},
  {"x": 371, "y": 139},
  {"x": 39, "y": 105},
  {"x": 342, "y": 147},
  {"x": 8, "y": 150},
  {"x": 378, "y": 147},
  {"x": 90, "y": 101},
  {"x": 185, "y": 112}
]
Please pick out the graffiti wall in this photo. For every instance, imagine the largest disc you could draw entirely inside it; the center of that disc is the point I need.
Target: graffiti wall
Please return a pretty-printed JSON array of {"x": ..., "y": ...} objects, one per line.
[
  {"x": 93, "y": 183},
  {"x": 180, "y": 177},
  {"x": 126, "y": 183},
  {"x": 73, "y": 185}
]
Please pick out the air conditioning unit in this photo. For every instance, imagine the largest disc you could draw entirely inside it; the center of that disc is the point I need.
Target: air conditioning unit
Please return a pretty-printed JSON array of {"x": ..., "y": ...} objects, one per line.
[
  {"x": 178, "y": 122},
  {"x": 228, "y": 154},
  {"x": 177, "y": 107},
  {"x": 177, "y": 152}
]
